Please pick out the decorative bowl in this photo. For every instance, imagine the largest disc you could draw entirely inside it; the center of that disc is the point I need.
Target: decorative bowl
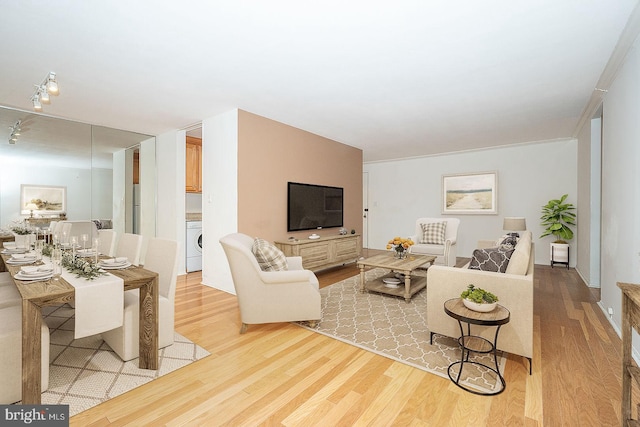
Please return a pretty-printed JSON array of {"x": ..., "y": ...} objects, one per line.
[{"x": 482, "y": 308}]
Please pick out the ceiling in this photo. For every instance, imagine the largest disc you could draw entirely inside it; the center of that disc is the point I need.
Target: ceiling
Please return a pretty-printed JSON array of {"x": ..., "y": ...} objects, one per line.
[{"x": 402, "y": 79}]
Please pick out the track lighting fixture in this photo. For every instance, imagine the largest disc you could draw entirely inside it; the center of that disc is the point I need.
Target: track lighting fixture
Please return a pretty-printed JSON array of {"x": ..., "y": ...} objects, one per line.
[
  {"x": 49, "y": 86},
  {"x": 15, "y": 132}
]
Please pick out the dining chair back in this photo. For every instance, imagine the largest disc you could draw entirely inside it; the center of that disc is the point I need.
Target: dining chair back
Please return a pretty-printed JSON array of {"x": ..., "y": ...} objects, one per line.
[
  {"x": 11, "y": 355},
  {"x": 78, "y": 228},
  {"x": 161, "y": 257},
  {"x": 107, "y": 242},
  {"x": 130, "y": 246}
]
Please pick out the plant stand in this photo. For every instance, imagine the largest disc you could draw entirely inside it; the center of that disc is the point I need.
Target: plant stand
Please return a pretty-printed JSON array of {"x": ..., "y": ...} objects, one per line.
[{"x": 560, "y": 254}]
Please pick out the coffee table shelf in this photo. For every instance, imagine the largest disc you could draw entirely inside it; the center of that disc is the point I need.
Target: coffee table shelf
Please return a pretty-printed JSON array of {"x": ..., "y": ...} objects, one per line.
[{"x": 413, "y": 268}]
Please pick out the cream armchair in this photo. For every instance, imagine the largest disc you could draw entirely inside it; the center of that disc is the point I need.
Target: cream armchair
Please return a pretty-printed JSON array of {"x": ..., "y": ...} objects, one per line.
[
  {"x": 444, "y": 252},
  {"x": 514, "y": 290},
  {"x": 270, "y": 296}
]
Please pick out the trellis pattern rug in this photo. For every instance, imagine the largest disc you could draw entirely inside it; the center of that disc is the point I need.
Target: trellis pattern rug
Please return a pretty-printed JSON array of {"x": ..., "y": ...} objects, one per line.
[
  {"x": 86, "y": 372},
  {"x": 393, "y": 328}
]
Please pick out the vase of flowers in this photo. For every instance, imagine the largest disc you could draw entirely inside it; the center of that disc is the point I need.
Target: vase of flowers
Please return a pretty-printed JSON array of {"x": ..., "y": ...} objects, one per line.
[{"x": 400, "y": 246}]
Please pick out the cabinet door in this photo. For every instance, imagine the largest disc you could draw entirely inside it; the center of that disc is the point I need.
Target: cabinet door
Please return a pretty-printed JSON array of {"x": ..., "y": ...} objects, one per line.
[{"x": 193, "y": 179}]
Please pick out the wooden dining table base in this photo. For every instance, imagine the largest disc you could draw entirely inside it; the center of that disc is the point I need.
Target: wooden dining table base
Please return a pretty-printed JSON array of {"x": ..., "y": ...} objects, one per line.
[{"x": 36, "y": 295}]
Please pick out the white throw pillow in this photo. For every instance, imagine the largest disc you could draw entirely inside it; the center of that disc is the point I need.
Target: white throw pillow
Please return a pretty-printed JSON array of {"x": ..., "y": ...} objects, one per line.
[
  {"x": 268, "y": 256},
  {"x": 519, "y": 262}
]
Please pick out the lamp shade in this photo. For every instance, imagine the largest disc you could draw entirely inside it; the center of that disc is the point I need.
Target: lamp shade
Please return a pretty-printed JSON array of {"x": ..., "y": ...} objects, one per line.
[
  {"x": 31, "y": 207},
  {"x": 514, "y": 224}
]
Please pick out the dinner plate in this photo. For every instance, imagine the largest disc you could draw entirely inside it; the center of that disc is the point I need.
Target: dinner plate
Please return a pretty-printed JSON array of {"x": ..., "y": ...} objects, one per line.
[
  {"x": 36, "y": 271},
  {"x": 14, "y": 251},
  {"x": 391, "y": 281},
  {"x": 115, "y": 266},
  {"x": 22, "y": 261},
  {"x": 86, "y": 252},
  {"x": 32, "y": 277}
]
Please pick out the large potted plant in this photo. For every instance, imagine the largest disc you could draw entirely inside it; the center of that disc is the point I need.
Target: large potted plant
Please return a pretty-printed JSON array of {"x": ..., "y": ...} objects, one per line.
[{"x": 557, "y": 219}]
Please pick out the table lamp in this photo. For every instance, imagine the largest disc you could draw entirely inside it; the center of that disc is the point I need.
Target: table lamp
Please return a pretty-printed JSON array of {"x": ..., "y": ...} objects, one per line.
[
  {"x": 514, "y": 224},
  {"x": 31, "y": 207}
]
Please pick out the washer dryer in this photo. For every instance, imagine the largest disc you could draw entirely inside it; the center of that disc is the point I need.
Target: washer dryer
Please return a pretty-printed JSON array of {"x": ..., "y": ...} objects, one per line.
[{"x": 194, "y": 246}]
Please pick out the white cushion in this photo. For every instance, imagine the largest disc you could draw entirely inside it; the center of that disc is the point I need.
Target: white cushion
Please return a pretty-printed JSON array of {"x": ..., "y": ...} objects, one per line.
[
  {"x": 519, "y": 262},
  {"x": 268, "y": 256},
  {"x": 433, "y": 233},
  {"x": 427, "y": 249}
]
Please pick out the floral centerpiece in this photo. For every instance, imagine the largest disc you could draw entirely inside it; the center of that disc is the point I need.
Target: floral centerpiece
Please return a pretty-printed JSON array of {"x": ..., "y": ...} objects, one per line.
[
  {"x": 19, "y": 228},
  {"x": 81, "y": 267},
  {"x": 400, "y": 246}
]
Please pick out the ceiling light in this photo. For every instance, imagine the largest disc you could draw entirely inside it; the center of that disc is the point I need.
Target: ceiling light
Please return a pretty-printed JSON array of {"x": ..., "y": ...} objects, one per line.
[
  {"x": 36, "y": 103},
  {"x": 49, "y": 86},
  {"x": 15, "y": 132},
  {"x": 52, "y": 84},
  {"x": 44, "y": 95}
]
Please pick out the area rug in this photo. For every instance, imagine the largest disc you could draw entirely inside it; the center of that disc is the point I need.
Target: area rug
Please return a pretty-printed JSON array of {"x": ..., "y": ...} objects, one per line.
[
  {"x": 86, "y": 372},
  {"x": 391, "y": 327}
]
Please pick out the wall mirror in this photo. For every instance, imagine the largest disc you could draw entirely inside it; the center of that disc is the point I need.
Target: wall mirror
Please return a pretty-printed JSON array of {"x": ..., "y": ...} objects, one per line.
[{"x": 88, "y": 161}]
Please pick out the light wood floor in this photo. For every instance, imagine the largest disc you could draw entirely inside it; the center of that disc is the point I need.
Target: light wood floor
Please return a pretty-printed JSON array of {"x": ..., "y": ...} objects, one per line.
[{"x": 281, "y": 374}]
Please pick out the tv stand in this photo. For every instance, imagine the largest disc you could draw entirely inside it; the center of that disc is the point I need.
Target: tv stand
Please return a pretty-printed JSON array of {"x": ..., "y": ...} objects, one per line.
[{"x": 325, "y": 252}]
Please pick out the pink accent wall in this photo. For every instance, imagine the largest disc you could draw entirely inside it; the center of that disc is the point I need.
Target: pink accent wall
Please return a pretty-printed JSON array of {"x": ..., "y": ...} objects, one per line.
[{"x": 270, "y": 154}]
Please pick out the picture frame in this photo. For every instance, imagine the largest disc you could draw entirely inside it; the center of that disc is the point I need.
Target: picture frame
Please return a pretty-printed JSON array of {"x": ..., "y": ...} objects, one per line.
[
  {"x": 470, "y": 193},
  {"x": 49, "y": 199}
]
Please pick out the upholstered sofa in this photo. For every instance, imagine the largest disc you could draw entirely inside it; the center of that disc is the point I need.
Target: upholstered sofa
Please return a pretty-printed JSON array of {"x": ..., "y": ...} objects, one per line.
[
  {"x": 514, "y": 288},
  {"x": 443, "y": 247}
]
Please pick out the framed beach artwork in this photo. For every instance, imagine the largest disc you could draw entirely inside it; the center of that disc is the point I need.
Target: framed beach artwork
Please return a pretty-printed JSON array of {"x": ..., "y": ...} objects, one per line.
[
  {"x": 42, "y": 199},
  {"x": 472, "y": 193}
]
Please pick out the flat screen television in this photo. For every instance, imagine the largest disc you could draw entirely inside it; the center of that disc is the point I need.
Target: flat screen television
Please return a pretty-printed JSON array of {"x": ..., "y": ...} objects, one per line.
[{"x": 311, "y": 207}]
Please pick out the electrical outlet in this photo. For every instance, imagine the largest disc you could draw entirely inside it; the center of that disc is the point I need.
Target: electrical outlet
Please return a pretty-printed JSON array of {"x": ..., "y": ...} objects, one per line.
[{"x": 610, "y": 311}]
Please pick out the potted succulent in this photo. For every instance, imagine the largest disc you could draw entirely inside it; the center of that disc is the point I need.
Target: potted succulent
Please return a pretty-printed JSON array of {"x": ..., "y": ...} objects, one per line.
[
  {"x": 557, "y": 219},
  {"x": 478, "y": 299}
]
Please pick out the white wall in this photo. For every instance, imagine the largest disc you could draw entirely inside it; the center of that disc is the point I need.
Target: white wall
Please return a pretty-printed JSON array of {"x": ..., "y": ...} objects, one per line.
[
  {"x": 529, "y": 175},
  {"x": 101, "y": 193},
  {"x": 620, "y": 247},
  {"x": 170, "y": 182},
  {"x": 219, "y": 195}
]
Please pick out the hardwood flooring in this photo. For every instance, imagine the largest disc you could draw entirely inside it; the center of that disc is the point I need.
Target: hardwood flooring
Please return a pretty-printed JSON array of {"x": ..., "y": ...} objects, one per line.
[{"x": 281, "y": 374}]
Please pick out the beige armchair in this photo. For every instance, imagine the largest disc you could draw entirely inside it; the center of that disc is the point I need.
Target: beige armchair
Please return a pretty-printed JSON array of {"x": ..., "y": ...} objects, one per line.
[
  {"x": 446, "y": 251},
  {"x": 270, "y": 296},
  {"x": 514, "y": 290}
]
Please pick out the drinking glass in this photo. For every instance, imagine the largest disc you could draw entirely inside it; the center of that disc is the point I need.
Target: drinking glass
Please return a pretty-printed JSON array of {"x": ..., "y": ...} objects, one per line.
[
  {"x": 94, "y": 249},
  {"x": 84, "y": 238},
  {"x": 56, "y": 260},
  {"x": 39, "y": 245},
  {"x": 74, "y": 243}
]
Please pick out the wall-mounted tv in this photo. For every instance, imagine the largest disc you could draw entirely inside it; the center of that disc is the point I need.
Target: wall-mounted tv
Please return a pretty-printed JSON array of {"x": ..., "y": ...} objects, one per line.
[{"x": 311, "y": 207}]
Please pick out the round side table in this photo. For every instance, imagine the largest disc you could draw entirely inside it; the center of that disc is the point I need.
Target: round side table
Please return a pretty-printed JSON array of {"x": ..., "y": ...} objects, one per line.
[{"x": 473, "y": 343}]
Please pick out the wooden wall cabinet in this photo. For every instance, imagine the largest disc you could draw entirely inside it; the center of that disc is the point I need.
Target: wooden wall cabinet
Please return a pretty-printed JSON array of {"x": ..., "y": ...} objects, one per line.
[
  {"x": 325, "y": 252},
  {"x": 194, "y": 165}
]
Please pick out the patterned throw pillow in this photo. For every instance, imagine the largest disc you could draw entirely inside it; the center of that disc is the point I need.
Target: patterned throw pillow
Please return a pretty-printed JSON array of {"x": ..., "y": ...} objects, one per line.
[
  {"x": 433, "y": 233},
  {"x": 491, "y": 259},
  {"x": 268, "y": 256}
]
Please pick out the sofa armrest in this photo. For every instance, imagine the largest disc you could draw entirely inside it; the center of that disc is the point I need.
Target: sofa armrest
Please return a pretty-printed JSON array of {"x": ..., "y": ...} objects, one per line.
[
  {"x": 483, "y": 244},
  {"x": 294, "y": 262},
  {"x": 515, "y": 292},
  {"x": 289, "y": 276}
]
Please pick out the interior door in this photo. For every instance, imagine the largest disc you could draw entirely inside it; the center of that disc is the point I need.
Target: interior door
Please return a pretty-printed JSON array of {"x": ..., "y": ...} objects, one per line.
[{"x": 365, "y": 210}]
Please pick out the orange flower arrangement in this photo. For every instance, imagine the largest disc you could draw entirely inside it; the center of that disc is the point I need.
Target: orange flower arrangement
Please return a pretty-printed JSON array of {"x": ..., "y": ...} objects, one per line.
[{"x": 400, "y": 245}]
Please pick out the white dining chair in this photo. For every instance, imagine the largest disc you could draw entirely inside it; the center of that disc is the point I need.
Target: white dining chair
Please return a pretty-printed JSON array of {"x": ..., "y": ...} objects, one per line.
[
  {"x": 11, "y": 355},
  {"x": 107, "y": 242},
  {"x": 162, "y": 258},
  {"x": 130, "y": 246},
  {"x": 9, "y": 295}
]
